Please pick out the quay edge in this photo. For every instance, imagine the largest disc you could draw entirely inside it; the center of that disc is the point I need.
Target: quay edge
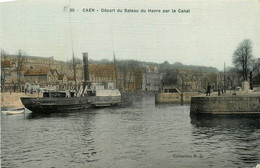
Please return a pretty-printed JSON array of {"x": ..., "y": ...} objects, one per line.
[{"x": 232, "y": 104}]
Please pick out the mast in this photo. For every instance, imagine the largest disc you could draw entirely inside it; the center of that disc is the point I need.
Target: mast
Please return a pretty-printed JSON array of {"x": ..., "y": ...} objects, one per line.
[
  {"x": 19, "y": 68},
  {"x": 74, "y": 71},
  {"x": 115, "y": 69},
  {"x": 86, "y": 70},
  {"x": 73, "y": 58}
]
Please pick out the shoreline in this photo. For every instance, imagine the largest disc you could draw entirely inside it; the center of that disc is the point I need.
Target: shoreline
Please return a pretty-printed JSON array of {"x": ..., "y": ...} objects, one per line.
[{"x": 12, "y": 99}]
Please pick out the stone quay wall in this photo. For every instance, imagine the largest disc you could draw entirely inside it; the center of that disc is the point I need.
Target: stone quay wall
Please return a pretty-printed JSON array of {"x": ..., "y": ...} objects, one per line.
[
  {"x": 244, "y": 104},
  {"x": 175, "y": 97}
]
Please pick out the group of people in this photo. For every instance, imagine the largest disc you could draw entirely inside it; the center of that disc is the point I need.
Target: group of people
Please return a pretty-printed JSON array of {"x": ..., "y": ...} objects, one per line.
[
  {"x": 29, "y": 89},
  {"x": 209, "y": 90}
]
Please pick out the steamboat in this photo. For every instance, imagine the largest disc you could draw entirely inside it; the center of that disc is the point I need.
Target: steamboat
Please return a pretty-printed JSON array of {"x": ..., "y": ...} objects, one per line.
[
  {"x": 61, "y": 101},
  {"x": 87, "y": 96}
]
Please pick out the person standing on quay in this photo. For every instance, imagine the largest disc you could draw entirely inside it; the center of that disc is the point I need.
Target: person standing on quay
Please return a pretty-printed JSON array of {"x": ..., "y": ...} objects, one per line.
[{"x": 208, "y": 89}]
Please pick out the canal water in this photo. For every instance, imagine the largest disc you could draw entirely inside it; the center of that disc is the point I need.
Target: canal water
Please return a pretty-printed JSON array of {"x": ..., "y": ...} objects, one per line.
[{"x": 143, "y": 135}]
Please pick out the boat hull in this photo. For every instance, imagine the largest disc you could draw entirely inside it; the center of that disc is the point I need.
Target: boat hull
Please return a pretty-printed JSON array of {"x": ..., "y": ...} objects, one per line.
[
  {"x": 13, "y": 111},
  {"x": 48, "y": 105},
  {"x": 105, "y": 101}
]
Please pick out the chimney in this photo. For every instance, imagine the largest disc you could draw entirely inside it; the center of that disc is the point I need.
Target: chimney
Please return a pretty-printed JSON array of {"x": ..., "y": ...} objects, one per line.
[{"x": 86, "y": 72}]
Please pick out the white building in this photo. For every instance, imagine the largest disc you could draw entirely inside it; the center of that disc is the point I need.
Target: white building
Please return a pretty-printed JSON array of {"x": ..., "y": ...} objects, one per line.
[{"x": 151, "y": 79}]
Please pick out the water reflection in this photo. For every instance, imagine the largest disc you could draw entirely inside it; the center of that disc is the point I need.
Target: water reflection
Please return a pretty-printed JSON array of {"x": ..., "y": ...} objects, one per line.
[
  {"x": 226, "y": 121},
  {"x": 32, "y": 115},
  {"x": 45, "y": 115},
  {"x": 168, "y": 105},
  {"x": 225, "y": 135},
  {"x": 85, "y": 128},
  {"x": 61, "y": 139},
  {"x": 143, "y": 135}
]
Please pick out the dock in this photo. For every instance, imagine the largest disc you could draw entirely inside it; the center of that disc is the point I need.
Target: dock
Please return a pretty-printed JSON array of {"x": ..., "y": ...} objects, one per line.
[
  {"x": 12, "y": 99},
  {"x": 228, "y": 103}
]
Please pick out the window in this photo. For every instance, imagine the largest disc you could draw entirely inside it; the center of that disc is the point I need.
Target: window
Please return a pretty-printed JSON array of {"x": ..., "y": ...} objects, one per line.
[{"x": 173, "y": 91}]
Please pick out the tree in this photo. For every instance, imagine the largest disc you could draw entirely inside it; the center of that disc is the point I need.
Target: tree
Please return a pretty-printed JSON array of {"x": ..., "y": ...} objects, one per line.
[
  {"x": 76, "y": 61},
  {"x": 3, "y": 73},
  {"x": 166, "y": 63},
  {"x": 127, "y": 69},
  {"x": 255, "y": 66},
  {"x": 242, "y": 58},
  {"x": 170, "y": 77},
  {"x": 20, "y": 60}
]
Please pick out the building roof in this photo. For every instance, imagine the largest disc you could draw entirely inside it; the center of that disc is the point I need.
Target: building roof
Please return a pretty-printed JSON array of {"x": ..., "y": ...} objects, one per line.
[
  {"x": 61, "y": 76},
  {"x": 6, "y": 64},
  {"x": 102, "y": 70},
  {"x": 33, "y": 57},
  {"x": 53, "y": 70},
  {"x": 36, "y": 72},
  {"x": 23, "y": 68},
  {"x": 39, "y": 70},
  {"x": 70, "y": 78}
]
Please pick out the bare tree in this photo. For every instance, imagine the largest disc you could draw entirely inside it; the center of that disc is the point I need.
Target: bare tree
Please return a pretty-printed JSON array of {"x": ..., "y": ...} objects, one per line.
[
  {"x": 3, "y": 73},
  {"x": 131, "y": 74},
  {"x": 255, "y": 73},
  {"x": 127, "y": 69},
  {"x": 170, "y": 77},
  {"x": 76, "y": 61},
  {"x": 242, "y": 57},
  {"x": 124, "y": 71},
  {"x": 20, "y": 60},
  {"x": 255, "y": 65}
]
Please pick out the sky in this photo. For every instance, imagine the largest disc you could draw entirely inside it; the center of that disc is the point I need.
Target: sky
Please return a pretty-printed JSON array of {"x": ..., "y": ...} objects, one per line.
[{"x": 206, "y": 36}]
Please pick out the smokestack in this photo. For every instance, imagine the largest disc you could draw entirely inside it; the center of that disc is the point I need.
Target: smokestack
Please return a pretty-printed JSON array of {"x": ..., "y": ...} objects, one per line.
[{"x": 86, "y": 72}]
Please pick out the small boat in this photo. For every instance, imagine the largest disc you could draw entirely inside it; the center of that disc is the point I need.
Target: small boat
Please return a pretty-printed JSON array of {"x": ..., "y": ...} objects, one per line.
[{"x": 13, "y": 111}]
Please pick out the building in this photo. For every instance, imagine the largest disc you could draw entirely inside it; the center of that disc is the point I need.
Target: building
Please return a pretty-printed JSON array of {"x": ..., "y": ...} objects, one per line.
[
  {"x": 42, "y": 77},
  {"x": 70, "y": 83},
  {"x": 151, "y": 80},
  {"x": 63, "y": 80},
  {"x": 102, "y": 73},
  {"x": 129, "y": 78},
  {"x": 10, "y": 76},
  {"x": 191, "y": 80}
]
